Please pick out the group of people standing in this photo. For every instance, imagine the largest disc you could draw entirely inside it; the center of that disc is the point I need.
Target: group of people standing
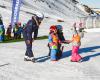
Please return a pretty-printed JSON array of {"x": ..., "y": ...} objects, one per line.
[
  {"x": 17, "y": 31},
  {"x": 55, "y": 40},
  {"x": 7, "y": 34}
]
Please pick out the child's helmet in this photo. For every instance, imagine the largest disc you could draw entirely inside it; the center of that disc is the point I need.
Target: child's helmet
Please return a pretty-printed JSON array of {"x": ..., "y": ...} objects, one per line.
[
  {"x": 59, "y": 27},
  {"x": 53, "y": 28}
]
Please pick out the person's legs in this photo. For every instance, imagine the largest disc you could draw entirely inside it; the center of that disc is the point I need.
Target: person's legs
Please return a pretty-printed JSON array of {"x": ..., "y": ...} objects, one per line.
[
  {"x": 15, "y": 36},
  {"x": 75, "y": 55},
  {"x": 29, "y": 54},
  {"x": 3, "y": 37},
  {"x": 53, "y": 54},
  {"x": 59, "y": 52},
  {"x": 29, "y": 50},
  {"x": 35, "y": 33},
  {"x": 78, "y": 57},
  {"x": 26, "y": 53},
  {"x": 19, "y": 36},
  {"x": 49, "y": 50}
]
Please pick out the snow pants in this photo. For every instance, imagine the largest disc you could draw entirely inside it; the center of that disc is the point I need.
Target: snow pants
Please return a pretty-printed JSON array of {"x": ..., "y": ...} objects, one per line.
[
  {"x": 29, "y": 52},
  {"x": 75, "y": 55},
  {"x": 53, "y": 54}
]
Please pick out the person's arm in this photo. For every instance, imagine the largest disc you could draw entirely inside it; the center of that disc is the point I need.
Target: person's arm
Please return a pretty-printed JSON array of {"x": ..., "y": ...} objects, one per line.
[
  {"x": 35, "y": 33},
  {"x": 50, "y": 40},
  {"x": 67, "y": 41}
]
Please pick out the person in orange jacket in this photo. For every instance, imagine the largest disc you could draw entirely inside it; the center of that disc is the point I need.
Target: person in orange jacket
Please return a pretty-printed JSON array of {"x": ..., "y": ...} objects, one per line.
[
  {"x": 53, "y": 43},
  {"x": 76, "y": 43}
]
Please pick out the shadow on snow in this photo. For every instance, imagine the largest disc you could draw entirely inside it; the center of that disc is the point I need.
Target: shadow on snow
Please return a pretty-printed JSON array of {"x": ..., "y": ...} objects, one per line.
[
  {"x": 68, "y": 53},
  {"x": 84, "y": 50},
  {"x": 42, "y": 59}
]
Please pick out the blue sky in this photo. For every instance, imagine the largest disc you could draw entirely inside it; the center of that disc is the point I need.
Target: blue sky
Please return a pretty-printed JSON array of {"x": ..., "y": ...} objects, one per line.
[{"x": 91, "y": 3}]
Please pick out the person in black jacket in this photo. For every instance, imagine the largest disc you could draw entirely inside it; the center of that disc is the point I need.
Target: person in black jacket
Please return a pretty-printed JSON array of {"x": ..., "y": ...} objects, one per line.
[{"x": 31, "y": 26}]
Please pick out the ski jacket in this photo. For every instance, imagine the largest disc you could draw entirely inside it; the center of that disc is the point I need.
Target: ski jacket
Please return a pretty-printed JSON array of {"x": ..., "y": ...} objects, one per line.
[
  {"x": 76, "y": 40},
  {"x": 53, "y": 40},
  {"x": 29, "y": 28}
]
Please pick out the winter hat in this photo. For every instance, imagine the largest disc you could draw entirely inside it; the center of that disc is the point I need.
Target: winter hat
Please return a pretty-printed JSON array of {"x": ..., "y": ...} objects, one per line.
[{"x": 53, "y": 28}]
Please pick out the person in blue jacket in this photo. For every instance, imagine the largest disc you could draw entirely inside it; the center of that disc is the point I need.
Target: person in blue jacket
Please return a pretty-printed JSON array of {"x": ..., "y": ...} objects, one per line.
[
  {"x": 20, "y": 29},
  {"x": 2, "y": 30},
  {"x": 31, "y": 26}
]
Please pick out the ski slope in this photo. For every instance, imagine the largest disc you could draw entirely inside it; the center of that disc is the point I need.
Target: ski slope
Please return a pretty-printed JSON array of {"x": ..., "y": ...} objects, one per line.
[
  {"x": 58, "y": 9},
  {"x": 13, "y": 67}
]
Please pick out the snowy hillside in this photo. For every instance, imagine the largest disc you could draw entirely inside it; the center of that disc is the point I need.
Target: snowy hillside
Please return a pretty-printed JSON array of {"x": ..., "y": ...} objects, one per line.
[
  {"x": 61, "y": 9},
  {"x": 12, "y": 65}
]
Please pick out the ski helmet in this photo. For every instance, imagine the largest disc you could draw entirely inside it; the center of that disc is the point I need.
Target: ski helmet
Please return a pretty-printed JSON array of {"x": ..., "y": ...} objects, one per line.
[{"x": 39, "y": 16}]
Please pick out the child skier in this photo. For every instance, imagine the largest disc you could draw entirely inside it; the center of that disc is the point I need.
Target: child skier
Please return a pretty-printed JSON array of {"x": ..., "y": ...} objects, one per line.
[
  {"x": 61, "y": 39},
  {"x": 53, "y": 42},
  {"x": 76, "y": 42}
]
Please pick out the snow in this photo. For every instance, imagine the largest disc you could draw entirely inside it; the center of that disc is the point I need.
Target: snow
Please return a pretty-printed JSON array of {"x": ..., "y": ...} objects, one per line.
[
  {"x": 93, "y": 30},
  {"x": 12, "y": 65}
]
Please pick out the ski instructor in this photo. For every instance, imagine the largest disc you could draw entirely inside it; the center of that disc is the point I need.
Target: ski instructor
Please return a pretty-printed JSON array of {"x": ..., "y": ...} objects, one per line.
[{"x": 31, "y": 26}]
